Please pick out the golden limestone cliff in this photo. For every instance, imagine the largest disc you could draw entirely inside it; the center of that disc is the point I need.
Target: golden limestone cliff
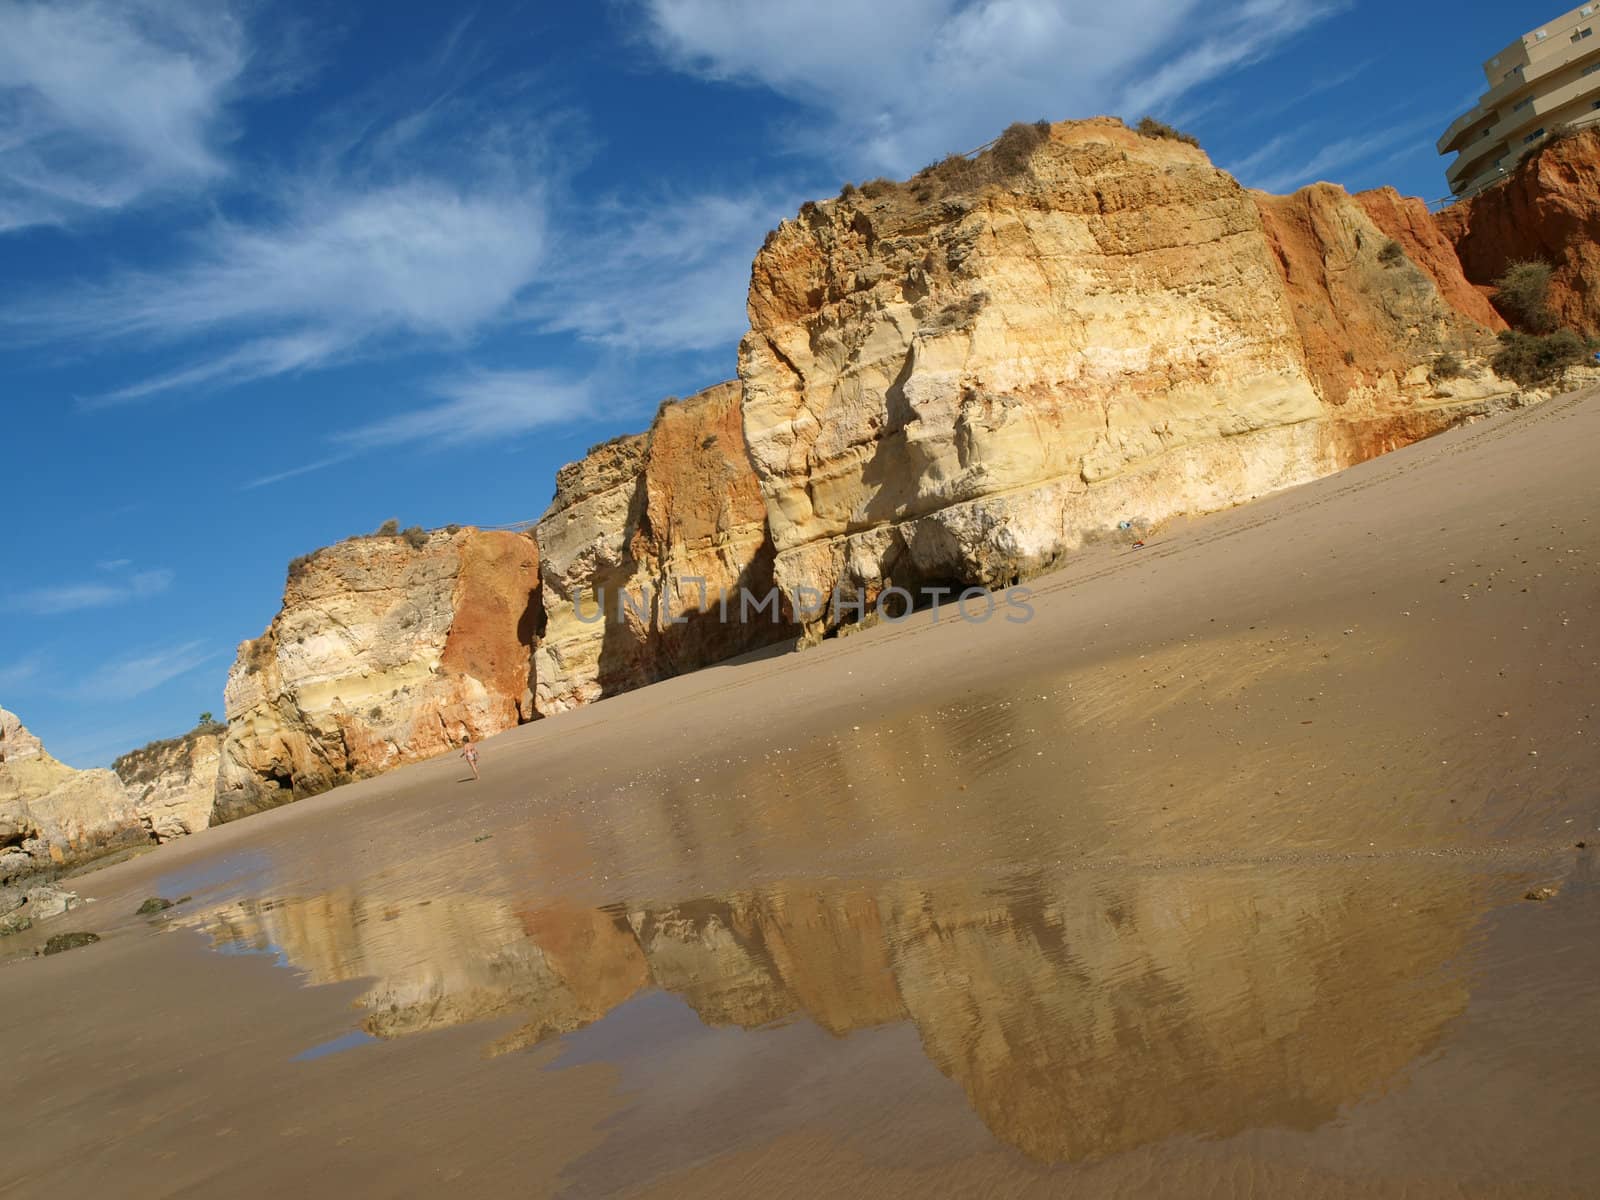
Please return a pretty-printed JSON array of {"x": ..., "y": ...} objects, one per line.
[
  {"x": 173, "y": 783},
  {"x": 645, "y": 534},
  {"x": 959, "y": 378},
  {"x": 386, "y": 650},
  {"x": 950, "y": 381},
  {"x": 52, "y": 815}
]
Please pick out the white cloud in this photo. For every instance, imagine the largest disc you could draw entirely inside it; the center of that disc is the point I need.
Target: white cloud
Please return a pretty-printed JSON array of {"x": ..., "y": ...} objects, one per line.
[
  {"x": 481, "y": 404},
  {"x": 126, "y": 678},
  {"x": 344, "y": 267},
  {"x": 668, "y": 274},
  {"x": 293, "y": 472},
  {"x": 74, "y": 597},
  {"x": 908, "y": 81},
  {"x": 14, "y": 675},
  {"x": 1268, "y": 169},
  {"x": 421, "y": 222},
  {"x": 105, "y": 101}
]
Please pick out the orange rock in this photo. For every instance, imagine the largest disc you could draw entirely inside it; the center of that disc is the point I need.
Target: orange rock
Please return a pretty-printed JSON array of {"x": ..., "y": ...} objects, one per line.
[
  {"x": 384, "y": 652},
  {"x": 1406, "y": 219},
  {"x": 1547, "y": 208}
]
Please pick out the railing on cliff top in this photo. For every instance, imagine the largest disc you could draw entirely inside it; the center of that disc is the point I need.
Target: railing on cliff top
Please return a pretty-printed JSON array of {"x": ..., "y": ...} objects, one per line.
[
  {"x": 1566, "y": 129},
  {"x": 513, "y": 526}
]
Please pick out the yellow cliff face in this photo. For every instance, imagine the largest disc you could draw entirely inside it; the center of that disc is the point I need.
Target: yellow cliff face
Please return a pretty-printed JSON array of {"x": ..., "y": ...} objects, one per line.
[
  {"x": 173, "y": 783},
  {"x": 952, "y": 381},
  {"x": 383, "y": 653},
  {"x": 958, "y": 379},
  {"x": 51, "y": 814},
  {"x": 643, "y": 536}
]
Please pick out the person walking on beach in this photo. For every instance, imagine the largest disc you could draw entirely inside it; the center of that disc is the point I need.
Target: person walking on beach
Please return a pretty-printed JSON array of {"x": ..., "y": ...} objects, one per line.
[{"x": 470, "y": 753}]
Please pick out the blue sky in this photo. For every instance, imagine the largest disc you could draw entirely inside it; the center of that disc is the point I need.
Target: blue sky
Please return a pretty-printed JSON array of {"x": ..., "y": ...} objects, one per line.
[{"x": 271, "y": 277}]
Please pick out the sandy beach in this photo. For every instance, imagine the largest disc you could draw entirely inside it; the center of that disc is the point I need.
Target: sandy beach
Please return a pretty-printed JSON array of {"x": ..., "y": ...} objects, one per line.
[{"x": 1209, "y": 879}]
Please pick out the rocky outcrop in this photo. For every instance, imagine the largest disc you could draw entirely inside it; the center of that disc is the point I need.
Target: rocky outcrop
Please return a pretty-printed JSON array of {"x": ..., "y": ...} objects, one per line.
[
  {"x": 1547, "y": 208},
  {"x": 958, "y": 379},
  {"x": 1407, "y": 221},
  {"x": 386, "y": 650},
  {"x": 947, "y": 382},
  {"x": 52, "y": 815},
  {"x": 173, "y": 783},
  {"x": 645, "y": 535}
]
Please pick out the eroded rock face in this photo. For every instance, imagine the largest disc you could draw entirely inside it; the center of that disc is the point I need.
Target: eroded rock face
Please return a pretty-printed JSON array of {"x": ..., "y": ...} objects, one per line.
[
  {"x": 1407, "y": 220},
  {"x": 957, "y": 385},
  {"x": 1548, "y": 208},
  {"x": 173, "y": 783},
  {"x": 643, "y": 536},
  {"x": 383, "y": 653},
  {"x": 52, "y": 815}
]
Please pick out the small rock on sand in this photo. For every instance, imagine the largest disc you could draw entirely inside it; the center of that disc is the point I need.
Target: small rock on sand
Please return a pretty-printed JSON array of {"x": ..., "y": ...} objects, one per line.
[{"x": 69, "y": 941}]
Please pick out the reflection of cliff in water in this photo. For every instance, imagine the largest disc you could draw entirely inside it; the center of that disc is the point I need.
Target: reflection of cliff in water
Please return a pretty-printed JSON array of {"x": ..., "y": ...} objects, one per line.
[{"x": 1082, "y": 1016}]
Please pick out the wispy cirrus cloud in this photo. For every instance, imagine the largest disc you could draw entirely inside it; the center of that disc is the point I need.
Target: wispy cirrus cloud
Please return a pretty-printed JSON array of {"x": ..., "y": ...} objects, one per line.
[
  {"x": 338, "y": 271},
  {"x": 413, "y": 225},
  {"x": 126, "y": 678},
  {"x": 103, "y": 102},
  {"x": 75, "y": 597},
  {"x": 1277, "y": 166},
  {"x": 665, "y": 273},
  {"x": 995, "y": 61},
  {"x": 14, "y": 675},
  {"x": 477, "y": 405},
  {"x": 481, "y": 404}
]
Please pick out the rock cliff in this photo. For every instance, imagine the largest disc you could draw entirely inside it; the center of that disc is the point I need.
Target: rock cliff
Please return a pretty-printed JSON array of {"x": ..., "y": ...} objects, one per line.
[
  {"x": 644, "y": 535},
  {"x": 951, "y": 381},
  {"x": 1547, "y": 208},
  {"x": 384, "y": 652},
  {"x": 173, "y": 783},
  {"x": 957, "y": 379},
  {"x": 52, "y": 815}
]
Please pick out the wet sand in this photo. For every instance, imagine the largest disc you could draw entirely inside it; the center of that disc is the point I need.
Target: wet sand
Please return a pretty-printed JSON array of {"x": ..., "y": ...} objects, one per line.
[{"x": 1208, "y": 881}]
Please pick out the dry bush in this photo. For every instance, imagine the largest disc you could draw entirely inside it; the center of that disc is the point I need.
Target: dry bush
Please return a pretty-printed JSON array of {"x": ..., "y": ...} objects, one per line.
[
  {"x": 1523, "y": 295},
  {"x": 1000, "y": 162},
  {"x": 1150, "y": 127},
  {"x": 1533, "y": 359}
]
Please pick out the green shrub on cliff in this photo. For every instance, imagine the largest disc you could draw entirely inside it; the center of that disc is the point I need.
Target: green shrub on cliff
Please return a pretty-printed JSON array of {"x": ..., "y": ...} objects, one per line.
[
  {"x": 1001, "y": 161},
  {"x": 1150, "y": 127},
  {"x": 416, "y": 537},
  {"x": 1533, "y": 359},
  {"x": 1523, "y": 296}
]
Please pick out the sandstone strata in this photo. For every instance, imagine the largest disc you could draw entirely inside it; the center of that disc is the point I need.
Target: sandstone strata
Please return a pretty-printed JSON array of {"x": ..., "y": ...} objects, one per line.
[
  {"x": 173, "y": 783},
  {"x": 52, "y": 815},
  {"x": 645, "y": 534},
  {"x": 384, "y": 652},
  {"x": 947, "y": 382},
  {"x": 1547, "y": 208},
  {"x": 957, "y": 380}
]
